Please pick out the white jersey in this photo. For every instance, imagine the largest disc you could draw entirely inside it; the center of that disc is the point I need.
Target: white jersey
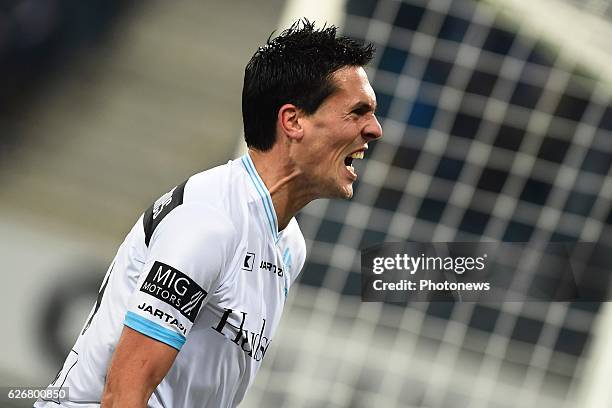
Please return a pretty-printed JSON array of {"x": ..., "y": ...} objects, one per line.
[{"x": 205, "y": 271}]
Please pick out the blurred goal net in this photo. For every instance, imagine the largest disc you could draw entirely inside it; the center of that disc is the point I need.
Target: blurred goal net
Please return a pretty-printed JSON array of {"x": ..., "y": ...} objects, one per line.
[{"x": 492, "y": 131}]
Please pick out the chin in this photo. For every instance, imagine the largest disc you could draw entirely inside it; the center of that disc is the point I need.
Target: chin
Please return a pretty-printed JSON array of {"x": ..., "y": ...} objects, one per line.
[
  {"x": 341, "y": 192},
  {"x": 342, "y": 189},
  {"x": 346, "y": 192}
]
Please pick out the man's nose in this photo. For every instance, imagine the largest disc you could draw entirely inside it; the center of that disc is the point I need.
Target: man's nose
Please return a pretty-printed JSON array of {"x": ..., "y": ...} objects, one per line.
[{"x": 373, "y": 130}]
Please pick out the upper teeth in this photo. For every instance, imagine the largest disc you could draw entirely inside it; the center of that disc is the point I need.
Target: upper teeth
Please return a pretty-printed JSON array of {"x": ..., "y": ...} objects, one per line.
[{"x": 357, "y": 155}]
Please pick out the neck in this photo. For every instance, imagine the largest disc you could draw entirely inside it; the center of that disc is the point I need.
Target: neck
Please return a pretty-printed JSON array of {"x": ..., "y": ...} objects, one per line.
[{"x": 289, "y": 191}]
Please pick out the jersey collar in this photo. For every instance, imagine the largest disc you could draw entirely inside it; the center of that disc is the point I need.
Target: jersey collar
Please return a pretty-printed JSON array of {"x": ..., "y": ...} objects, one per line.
[{"x": 263, "y": 193}]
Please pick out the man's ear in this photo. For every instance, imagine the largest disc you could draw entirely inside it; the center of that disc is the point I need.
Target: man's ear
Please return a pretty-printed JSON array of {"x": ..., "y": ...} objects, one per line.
[{"x": 288, "y": 121}]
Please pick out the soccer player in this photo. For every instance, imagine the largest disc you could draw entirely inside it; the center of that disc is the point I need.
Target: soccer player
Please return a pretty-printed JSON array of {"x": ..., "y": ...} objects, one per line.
[{"x": 189, "y": 306}]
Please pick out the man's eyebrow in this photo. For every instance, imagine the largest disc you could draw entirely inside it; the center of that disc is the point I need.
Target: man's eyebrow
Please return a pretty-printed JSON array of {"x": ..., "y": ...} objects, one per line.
[{"x": 363, "y": 106}]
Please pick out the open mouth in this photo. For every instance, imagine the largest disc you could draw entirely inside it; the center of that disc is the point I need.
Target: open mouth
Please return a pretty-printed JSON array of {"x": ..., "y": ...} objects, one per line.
[{"x": 348, "y": 160}]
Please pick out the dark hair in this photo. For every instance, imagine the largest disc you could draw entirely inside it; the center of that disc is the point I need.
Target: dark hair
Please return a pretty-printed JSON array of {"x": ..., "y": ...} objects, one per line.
[{"x": 295, "y": 67}]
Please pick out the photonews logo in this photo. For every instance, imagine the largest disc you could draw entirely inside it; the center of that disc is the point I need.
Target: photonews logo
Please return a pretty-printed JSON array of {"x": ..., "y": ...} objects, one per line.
[
  {"x": 399, "y": 272},
  {"x": 491, "y": 272}
]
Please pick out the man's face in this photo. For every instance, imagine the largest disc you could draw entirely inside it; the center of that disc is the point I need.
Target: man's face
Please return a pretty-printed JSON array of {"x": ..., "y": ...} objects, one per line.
[{"x": 340, "y": 128}]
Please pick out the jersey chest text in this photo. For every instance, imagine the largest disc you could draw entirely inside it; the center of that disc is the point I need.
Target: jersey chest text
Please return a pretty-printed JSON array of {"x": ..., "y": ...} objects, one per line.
[{"x": 249, "y": 307}]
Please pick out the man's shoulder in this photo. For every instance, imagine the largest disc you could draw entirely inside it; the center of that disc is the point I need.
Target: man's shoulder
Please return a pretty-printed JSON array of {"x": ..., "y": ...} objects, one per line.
[
  {"x": 196, "y": 224},
  {"x": 222, "y": 185},
  {"x": 197, "y": 204},
  {"x": 294, "y": 252},
  {"x": 209, "y": 184},
  {"x": 295, "y": 236}
]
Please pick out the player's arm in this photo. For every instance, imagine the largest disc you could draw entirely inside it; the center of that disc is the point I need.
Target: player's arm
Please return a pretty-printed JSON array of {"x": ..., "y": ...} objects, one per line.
[
  {"x": 186, "y": 253},
  {"x": 137, "y": 367}
]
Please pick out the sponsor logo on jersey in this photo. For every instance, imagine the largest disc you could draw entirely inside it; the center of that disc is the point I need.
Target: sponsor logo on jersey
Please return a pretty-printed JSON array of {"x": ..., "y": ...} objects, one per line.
[
  {"x": 254, "y": 344},
  {"x": 269, "y": 266},
  {"x": 160, "y": 209},
  {"x": 249, "y": 261},
  {"x": 174, "y": 288},
  {"x": 163, "y": 316},
  {"x": 162, "y": 202}
]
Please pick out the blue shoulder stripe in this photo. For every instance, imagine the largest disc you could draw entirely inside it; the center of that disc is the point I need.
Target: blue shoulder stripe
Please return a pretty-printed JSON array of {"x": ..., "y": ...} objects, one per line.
[{"x": 154, "y": 330}]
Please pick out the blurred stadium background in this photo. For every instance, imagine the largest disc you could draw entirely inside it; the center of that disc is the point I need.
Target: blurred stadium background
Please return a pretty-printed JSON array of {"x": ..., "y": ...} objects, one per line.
[{"x": 498, "y": 126}]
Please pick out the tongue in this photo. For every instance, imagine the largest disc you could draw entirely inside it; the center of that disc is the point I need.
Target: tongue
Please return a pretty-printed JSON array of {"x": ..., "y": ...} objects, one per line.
[{"x": 351, "y": 170}]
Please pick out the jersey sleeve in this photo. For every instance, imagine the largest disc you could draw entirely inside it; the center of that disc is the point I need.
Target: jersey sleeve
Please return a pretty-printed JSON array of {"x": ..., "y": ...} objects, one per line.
[{"x": 187, "y": 253}]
